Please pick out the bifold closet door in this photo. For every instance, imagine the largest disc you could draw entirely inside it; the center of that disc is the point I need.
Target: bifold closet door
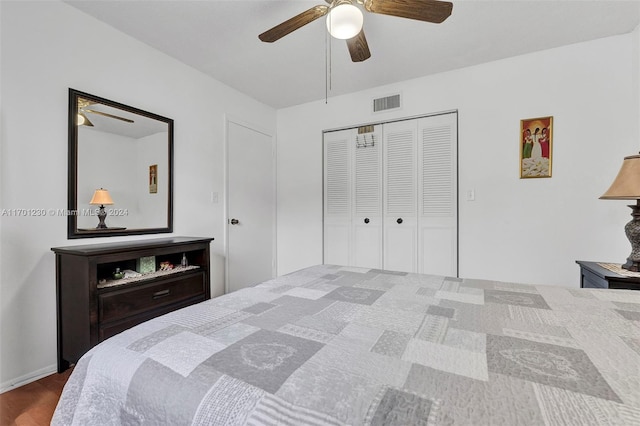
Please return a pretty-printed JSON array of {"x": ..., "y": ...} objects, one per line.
[
  {"x": 400, "y": 222},
  {"x": 337, "y": 196},
  {"x": 353, "y": 197},
  {"x": 437, "y": 195},
  {"x": 366, "y": 225},
  {"x": 390, "y": 196}
]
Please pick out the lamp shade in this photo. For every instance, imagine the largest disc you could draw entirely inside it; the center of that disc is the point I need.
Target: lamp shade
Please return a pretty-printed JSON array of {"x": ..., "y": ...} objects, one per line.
[
  {"x": 100, "y": 197},
  {"x": 626, "y": 186},
  {"x": 344, "y": 21}
]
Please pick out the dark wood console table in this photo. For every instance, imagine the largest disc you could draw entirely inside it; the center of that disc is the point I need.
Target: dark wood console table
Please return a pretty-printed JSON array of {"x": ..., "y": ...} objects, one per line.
[
  {"x": 593, "y": 275},
  {"x": 93, "y": 306}
]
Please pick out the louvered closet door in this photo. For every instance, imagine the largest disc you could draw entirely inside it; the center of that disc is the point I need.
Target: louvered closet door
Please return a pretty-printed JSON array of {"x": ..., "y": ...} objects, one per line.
[
  {"x": 437, "y": 189},
  {"x": 337, "y": 196},
  {"x": 400, "y": 196},
  {"x": 367, "y": 200}
]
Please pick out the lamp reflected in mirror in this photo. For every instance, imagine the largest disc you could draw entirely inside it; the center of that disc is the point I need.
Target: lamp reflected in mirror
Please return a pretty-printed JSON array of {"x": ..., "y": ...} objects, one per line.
[{"x": 101, "y": 197}]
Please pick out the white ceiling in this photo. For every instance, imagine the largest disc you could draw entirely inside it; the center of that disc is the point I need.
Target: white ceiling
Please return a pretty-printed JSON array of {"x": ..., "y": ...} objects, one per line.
[{"x": 220, "y": 38}]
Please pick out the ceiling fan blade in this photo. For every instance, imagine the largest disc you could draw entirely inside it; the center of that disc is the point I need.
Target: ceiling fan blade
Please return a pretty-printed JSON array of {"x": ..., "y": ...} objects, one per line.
[
  {"x": 92, "y": 111},
  {"x": 423, "y": 10},
  {"x": 358, "y": 47},
  {"x": 293, "y": 24}
]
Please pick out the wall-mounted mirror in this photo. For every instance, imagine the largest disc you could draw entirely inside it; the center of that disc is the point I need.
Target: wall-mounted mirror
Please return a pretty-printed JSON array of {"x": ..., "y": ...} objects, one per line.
[{"x": 120, "y": 164}]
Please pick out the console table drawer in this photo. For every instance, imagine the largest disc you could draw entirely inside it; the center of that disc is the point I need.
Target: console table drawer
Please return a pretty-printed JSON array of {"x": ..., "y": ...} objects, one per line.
[
  {"x": 114, "y": 327},
  {"x": 123, "y": 303}
]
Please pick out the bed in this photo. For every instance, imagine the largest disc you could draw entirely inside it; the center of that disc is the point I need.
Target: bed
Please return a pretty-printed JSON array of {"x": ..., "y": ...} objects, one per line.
[{"x": 331, "y": 345}]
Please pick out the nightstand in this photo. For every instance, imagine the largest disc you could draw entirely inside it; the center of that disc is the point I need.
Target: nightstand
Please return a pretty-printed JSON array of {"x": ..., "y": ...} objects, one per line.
[{"x": 592, "y": 275}]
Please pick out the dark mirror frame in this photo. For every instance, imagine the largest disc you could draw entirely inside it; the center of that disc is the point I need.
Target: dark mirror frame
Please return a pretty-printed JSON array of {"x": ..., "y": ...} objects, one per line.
[{"x": 72, "y": 190}]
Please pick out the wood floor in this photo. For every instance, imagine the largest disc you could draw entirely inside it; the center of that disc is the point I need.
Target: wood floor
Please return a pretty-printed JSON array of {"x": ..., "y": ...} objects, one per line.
[{"x": 32, "y": 404}]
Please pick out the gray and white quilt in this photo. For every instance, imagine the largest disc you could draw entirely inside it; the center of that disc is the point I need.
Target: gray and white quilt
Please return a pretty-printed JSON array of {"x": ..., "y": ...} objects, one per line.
[{"x": 332, "y": 345}]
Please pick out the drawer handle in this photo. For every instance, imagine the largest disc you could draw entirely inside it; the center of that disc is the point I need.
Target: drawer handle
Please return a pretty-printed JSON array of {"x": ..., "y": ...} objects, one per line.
[{"x": 161, "y": 293}]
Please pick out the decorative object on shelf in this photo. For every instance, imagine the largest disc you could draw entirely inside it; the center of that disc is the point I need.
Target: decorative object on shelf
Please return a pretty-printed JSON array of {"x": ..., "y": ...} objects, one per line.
[
  {"x": 146, "y": 265},
  {"x": 153, "y": 179},
  {"x": 536, "y": 146},
  {"x": 101, "y": 197},
  {"x": 128, "y": 273},
  {"x": 184, "y": 262},
  {"x": 118, "y": 274},
  {"x": 166, "y": 266},
  {"x": 626, "y": 186}
]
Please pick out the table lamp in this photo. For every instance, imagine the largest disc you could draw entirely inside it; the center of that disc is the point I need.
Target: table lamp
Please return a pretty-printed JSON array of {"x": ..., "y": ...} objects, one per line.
[
  {"x": 101, "y": 197},
  {"x": 626, "y": 186}
]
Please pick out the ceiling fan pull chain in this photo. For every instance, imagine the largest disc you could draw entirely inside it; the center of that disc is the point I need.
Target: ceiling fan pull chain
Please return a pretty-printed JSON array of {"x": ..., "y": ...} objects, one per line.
[
  {"x": 327, "y": 66},
  {"x": 330, "y": 60},
  {"x": 326, "y": 71}
]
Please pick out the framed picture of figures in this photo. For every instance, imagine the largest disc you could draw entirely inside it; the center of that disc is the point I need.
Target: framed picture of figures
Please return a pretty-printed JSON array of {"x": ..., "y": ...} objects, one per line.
[
  {"x": 153, "y": 179},
  {"x": 536, "y": 147}
]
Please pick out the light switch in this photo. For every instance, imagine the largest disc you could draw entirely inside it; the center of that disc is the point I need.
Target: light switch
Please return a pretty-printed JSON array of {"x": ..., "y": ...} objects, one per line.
[
  {"x": 214, "y": 198},
  {"x": 471, "y": 195}
]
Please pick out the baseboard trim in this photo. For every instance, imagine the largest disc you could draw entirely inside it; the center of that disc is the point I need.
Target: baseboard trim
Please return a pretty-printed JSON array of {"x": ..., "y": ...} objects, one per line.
[{"x": 28, "y": 378}]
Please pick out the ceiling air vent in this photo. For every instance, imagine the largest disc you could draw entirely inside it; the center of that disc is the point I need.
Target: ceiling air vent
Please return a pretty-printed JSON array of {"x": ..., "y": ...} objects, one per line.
[{"x": 389, "y": 102}]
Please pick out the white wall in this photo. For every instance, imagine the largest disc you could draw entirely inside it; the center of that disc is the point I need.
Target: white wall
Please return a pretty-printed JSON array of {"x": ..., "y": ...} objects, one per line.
[
  {"x": 529, "y": 230},
  {"x": 103, "y": 163},
  {"x": 46, "y": 48},
  {"x": 122, "y": 169},
  {"x": 152, "y": 207}
]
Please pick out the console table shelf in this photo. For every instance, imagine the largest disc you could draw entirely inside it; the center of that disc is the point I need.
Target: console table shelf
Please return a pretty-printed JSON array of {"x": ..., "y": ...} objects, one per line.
[
  {"x": 92, "y": 307},
  {"x": 144, "y": 277}
]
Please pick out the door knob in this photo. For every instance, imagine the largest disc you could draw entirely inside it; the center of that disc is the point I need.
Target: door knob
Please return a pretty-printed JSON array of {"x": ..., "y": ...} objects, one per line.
[
  {"x": 399, "y": 220},
  {"x": 235, "y": 221},
  {"x": 366, "y": 220}
]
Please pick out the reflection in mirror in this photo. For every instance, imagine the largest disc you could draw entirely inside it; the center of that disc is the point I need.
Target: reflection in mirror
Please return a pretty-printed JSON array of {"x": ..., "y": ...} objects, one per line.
[{"x": 126, "y": 152}]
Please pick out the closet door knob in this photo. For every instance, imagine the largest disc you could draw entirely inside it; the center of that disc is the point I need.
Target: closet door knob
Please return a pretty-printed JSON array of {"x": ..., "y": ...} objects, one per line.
[
  {"x": 399, "y": 220},
  {"x": 235, "y": 221},
  {"x": 366, "y": 220}
]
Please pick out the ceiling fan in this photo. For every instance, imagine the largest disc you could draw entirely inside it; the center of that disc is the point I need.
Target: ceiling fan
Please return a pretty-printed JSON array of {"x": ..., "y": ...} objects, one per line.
[
  {"x": 83, "y": 109},
  {"x": 344, "y": 20}
]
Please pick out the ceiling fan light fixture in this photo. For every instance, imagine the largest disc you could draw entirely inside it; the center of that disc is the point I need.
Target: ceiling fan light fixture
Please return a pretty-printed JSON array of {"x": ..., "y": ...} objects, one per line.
[
  {"x": 344, "y": 21},
  {"x": 82, "y": 120}
]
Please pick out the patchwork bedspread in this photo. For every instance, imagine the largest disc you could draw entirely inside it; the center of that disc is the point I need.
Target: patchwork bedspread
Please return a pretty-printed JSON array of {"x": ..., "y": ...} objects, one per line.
[{"x": 332, "y": 345}]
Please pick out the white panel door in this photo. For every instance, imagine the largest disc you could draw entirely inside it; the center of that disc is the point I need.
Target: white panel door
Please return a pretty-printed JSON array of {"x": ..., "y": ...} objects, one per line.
[
  {"x": 367, "y": 200},
  {"x": 250, "y": 207},
  {"x": 337, "y": 196},
  {"x": 400, "y": 196},
  {"x": 437, "y": 195}
]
